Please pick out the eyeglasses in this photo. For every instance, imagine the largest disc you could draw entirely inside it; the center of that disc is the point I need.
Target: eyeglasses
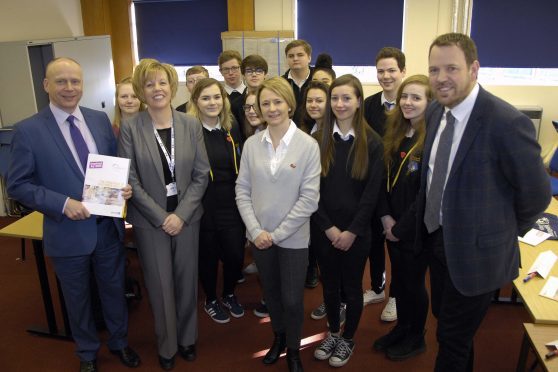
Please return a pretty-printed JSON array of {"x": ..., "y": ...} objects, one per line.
[
  {"x": 247, "y": 108},
  {"x": 257, "y": 71},
  {"x": 228, "y": 70}
]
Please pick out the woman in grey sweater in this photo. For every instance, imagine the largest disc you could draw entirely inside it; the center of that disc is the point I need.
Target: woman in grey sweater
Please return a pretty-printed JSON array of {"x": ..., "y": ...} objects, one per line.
[{"x": 277, "y": 190}]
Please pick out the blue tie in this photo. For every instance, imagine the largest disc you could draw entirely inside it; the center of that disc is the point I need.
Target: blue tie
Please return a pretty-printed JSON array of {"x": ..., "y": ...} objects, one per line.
[
  {"x": 438, "y": 180},
  {"x": 389, "y": 105},
  {"x": 79, "y": 142}
]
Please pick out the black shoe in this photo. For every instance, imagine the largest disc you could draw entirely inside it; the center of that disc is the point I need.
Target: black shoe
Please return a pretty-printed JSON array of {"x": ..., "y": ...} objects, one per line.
[
  {"x": 311, "y": 277},
  {"x": 89, "y": 366},
  {"x": 410, "y": 346},
  {"x": 394, "y": 336},
  {"x": 188, "y": 353},
  {"x": 279, "y": 344},
  {"x": 293, "y": 361},
  {"x": 128, "y": 357},
  {"x": 166, "y": 364}
]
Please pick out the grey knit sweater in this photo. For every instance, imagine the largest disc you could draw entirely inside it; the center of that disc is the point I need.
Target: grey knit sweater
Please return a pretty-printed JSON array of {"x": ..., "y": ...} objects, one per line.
[{"x": 280, "y": 204}]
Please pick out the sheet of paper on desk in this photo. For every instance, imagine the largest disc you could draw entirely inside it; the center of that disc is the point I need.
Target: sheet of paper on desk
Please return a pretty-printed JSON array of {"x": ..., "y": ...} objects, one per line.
[
  {"x": 534, "y": 237},
  {"x": 543, "y": 264},
  {"x": 104, "y": 178},
  {"x": 550, "y": 290},
  {"x": 552, "y": 345}
]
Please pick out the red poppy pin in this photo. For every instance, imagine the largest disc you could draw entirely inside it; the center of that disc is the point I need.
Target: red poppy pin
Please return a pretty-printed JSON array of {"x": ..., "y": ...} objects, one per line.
[
  {"x": 293, "y": 166},
  {"x": 403, "y": 154}
]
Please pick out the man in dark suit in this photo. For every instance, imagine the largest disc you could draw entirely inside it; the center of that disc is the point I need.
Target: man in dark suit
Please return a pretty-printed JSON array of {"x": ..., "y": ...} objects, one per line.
[
  {"x": 483, "y": 184},
  {"x": 46, "y": 173}
]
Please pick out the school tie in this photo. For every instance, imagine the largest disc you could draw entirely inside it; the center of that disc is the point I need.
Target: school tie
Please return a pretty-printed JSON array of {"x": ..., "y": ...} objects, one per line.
[
  {"x": 79, "y": 142},
  {"x": 389, "y": 105},
  {"x": 436, "y": 191}
]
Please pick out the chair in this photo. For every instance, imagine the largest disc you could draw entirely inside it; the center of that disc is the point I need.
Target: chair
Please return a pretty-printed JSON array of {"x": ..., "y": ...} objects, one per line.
[{"x": 554, "y": 172}]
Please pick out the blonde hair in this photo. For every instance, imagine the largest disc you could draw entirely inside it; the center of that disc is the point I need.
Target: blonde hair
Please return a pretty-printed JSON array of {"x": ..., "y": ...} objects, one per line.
[
  {"x": 146, "y": 68},
  {"x": 117, "y": 111},
  {"x": 281, "y": 87},
  {"x": 225, "y": 116}
]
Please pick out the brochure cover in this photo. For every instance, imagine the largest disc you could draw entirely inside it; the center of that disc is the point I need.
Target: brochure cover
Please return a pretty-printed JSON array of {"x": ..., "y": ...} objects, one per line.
[{"x": 104, "y": 178}]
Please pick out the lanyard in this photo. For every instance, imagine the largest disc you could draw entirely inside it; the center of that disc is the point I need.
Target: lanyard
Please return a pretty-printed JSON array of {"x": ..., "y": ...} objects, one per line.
[
  {"x": 170, "y": 159},
  {"x": 390, "y": 187}
]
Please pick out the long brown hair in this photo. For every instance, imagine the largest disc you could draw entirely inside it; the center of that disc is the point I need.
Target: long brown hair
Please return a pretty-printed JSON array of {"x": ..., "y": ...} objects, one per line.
[
  {"x": 225, "y": 116},
  {"x": 359, "y": 150},
  {"x": 397, "y": 126}
]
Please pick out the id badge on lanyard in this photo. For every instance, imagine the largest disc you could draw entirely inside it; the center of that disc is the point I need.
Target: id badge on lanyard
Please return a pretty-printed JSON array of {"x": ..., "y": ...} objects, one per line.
[{"x": 171, "y": 187}]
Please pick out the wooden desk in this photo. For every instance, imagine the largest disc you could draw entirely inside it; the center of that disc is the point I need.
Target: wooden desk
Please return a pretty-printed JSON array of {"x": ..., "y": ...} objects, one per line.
[
  {"x": 543, "y": 310},
  {"x": 536, "y": 336},
  {"x": 31, "y": 227}
]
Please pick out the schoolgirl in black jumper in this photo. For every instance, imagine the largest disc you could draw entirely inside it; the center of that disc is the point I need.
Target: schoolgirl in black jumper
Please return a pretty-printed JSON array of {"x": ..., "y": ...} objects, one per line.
[
  {"x": 352, "y": 167},
  {"x": 221, "y": 231},
  {"x": 403, "y": 143}
]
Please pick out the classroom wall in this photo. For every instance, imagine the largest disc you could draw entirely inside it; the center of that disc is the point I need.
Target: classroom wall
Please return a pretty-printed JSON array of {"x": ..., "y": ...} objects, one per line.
[
  {"x": 424, "y": 20},
  {"x": 45, "y": 19}
]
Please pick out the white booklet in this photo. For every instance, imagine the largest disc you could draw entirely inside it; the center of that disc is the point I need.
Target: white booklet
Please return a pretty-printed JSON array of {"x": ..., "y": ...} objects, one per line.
[
  {"x": 550, "y": 289},
  {"x": 105, "y": 176},
  {"x": 534, "y": 237}
]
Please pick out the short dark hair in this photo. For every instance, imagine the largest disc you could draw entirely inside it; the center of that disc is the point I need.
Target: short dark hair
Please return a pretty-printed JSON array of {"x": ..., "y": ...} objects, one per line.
[
  {"x": 462, "y": 41},
  {"x": 391, "y": 52},
  {"x": 255, "y": 61}
]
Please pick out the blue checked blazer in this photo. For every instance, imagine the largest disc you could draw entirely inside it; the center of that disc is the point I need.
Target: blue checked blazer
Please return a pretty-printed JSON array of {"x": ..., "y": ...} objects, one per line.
[{"x": 496, "y": 189}]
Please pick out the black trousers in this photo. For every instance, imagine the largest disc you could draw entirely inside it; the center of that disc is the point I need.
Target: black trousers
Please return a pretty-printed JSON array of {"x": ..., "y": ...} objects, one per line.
[
  {"x": 282, "y": 274},
  {"x": 222, "y": 238},
  {"x": 342, "y": 271},
  {"x": 377, "y": 257},
  {"x": 459, "y": 316},
  {"x": 408, "y": 274}
]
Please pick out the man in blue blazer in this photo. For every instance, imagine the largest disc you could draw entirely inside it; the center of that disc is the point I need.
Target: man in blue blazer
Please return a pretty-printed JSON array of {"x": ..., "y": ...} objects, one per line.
[
  {"x": 46, "y": 173},
  {"x": 483, "y": 184}
]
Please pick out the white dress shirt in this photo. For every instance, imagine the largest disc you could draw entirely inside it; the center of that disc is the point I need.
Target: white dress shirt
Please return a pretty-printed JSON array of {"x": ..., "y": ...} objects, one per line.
[
  {"x": 344, "y": 137},
  {"x": 461, "y": 113},
  {"x": 61, "y": 118},
  {"x": 277, "y": 155}
]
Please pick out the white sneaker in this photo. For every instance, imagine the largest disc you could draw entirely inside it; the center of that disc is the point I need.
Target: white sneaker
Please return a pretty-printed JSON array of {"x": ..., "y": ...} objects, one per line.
[
  {"x": 389, "y": 314},
  {"x": 371, "y": 297},
  {"x": 251, "y": 269}
]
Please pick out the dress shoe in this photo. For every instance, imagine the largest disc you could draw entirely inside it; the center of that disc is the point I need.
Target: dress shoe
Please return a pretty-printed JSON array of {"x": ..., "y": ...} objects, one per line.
[
  {"x": 166, "y": 364},
  {"x": 128, "y": 357},
  {"x": 293, "y": 361},
  {"x": 410, "y": 346},
  {"x": 89, "y": 366},
  {"x": 188, "y": 353},
  {"x": 279, "y": 344},
  {"x": 395, "y": 335}
]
